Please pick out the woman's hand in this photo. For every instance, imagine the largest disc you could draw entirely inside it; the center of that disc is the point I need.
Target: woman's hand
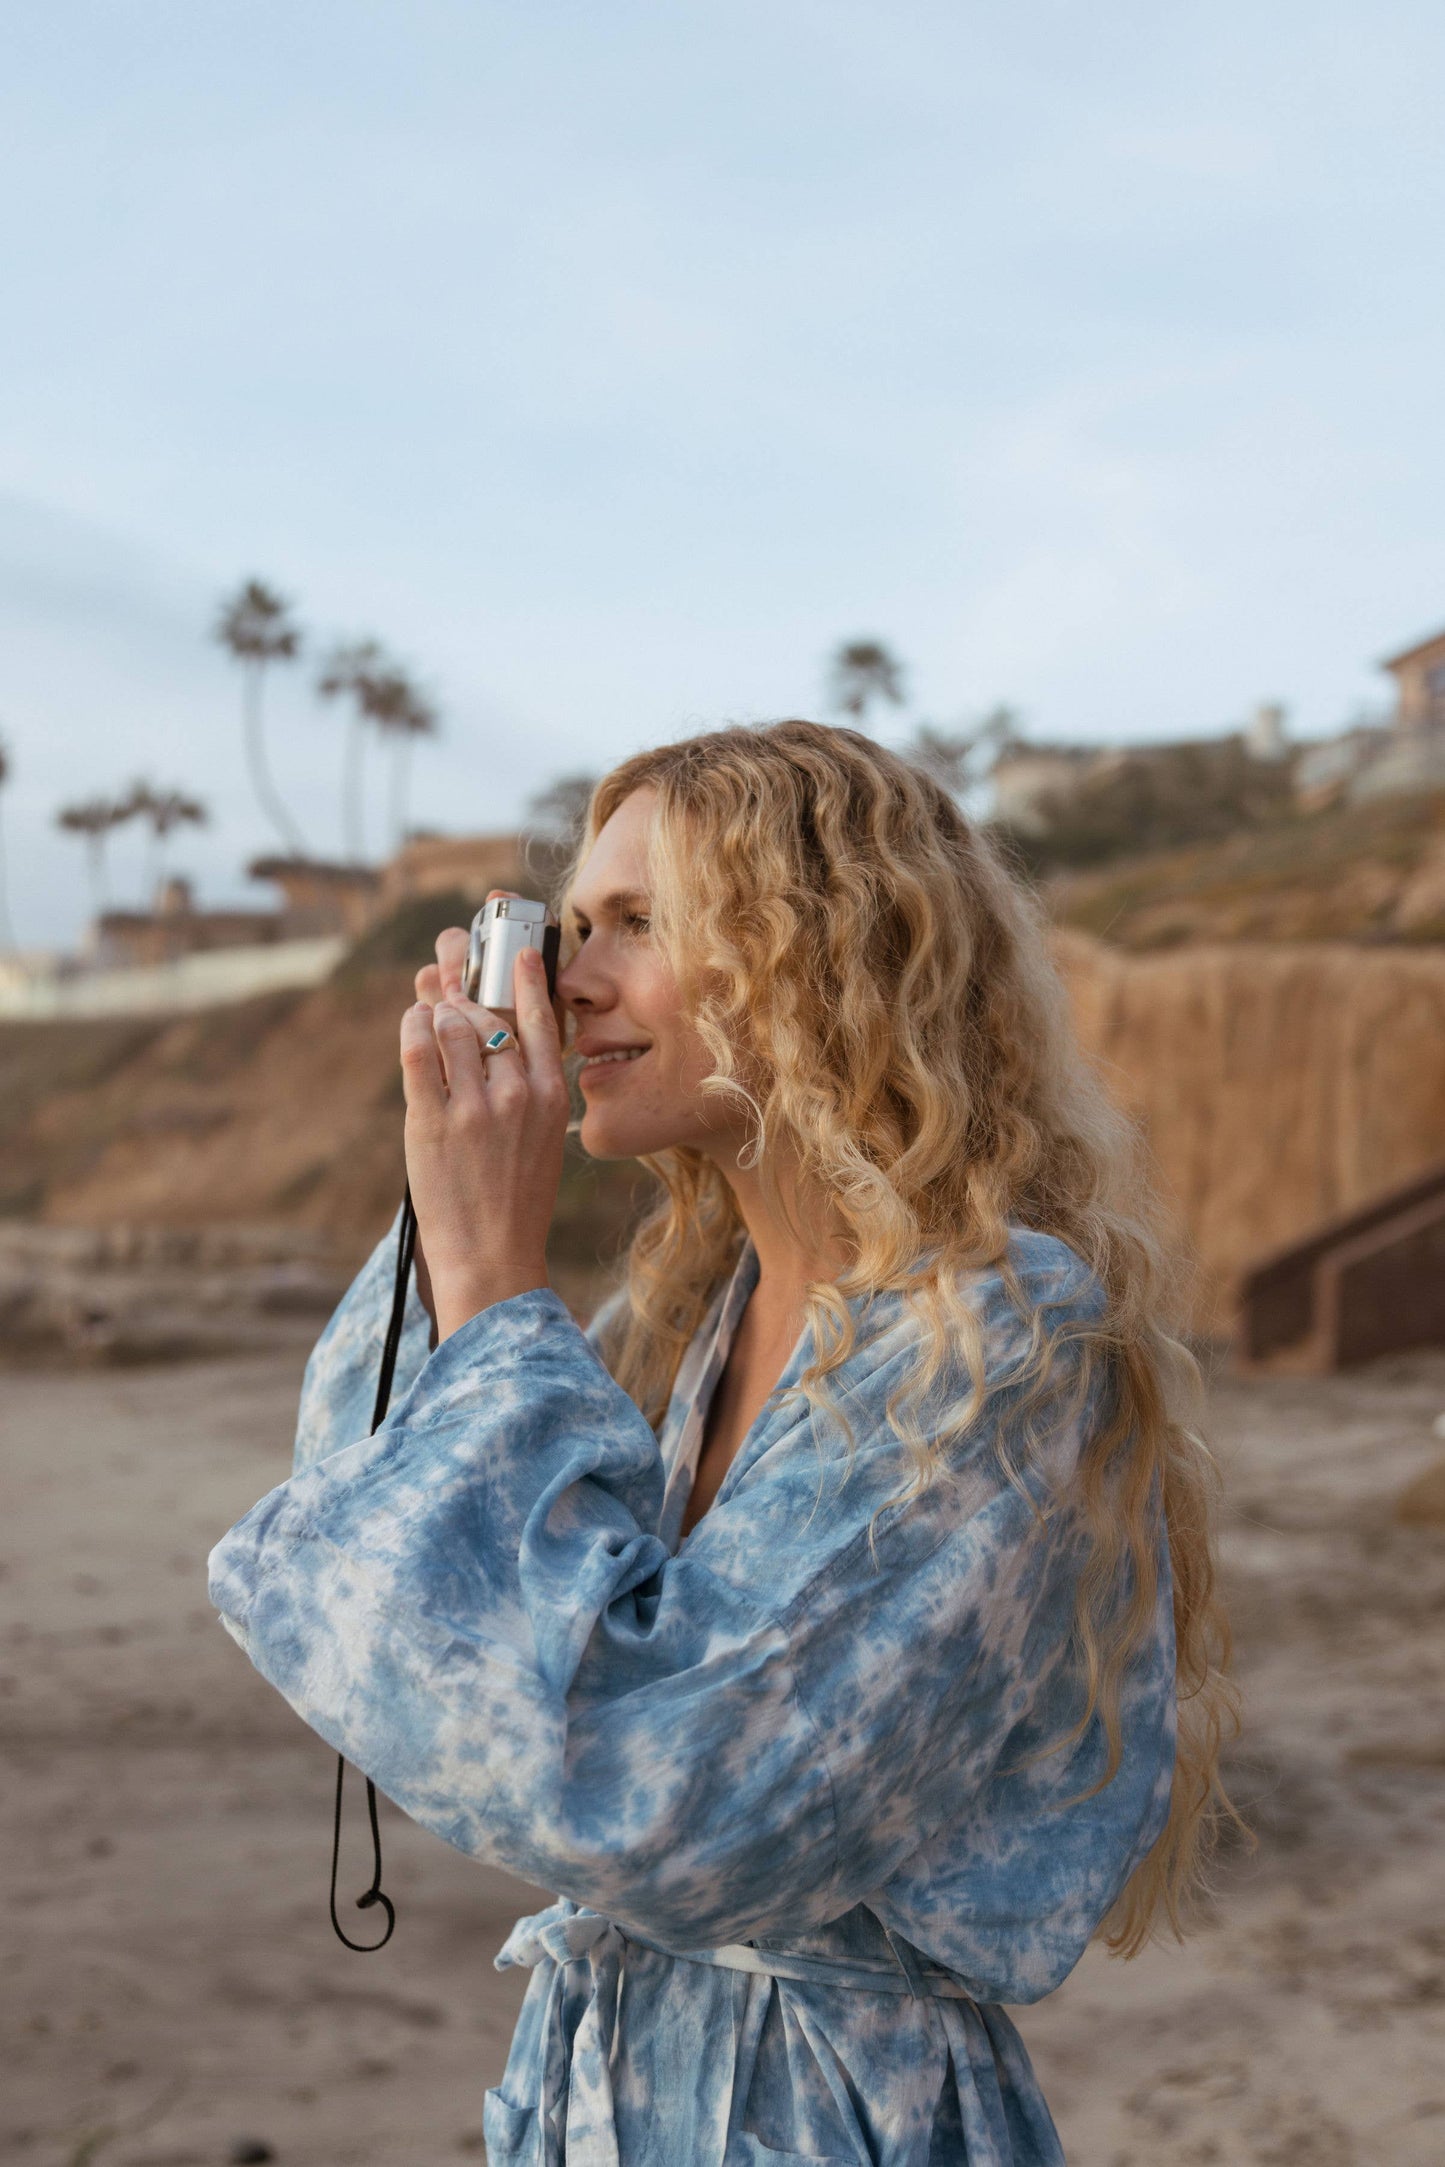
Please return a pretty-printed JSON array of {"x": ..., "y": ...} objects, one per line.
[
  {"x": 484, "y": 1136},
  {"x": 442, "y": 980}
]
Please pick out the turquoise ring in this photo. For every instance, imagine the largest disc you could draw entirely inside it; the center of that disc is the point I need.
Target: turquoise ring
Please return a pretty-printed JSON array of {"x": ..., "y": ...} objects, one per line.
[{"x": 499, "y": 1042}]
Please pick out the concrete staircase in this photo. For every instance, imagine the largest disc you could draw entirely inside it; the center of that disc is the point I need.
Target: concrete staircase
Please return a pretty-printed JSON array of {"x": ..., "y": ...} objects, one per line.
[{"x": 1367, "y": 1283}]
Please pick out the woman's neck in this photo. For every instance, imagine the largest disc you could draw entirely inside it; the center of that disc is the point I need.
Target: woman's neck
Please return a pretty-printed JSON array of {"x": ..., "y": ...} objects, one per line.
[{"x": 786, "y": 1264}]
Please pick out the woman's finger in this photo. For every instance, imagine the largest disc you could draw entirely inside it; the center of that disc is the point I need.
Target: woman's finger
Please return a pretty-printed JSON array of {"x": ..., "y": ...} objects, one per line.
[
  {"x": 461, "y": 1054},
  {"x": 537, "y": 1030},
  {"x": 429, "y": 984},
  {"x": 505, "y": 1068},
  {"x": 422, "y": 1078},
  {"x": 452, "y": 947},
  {"x": 484, "y": 1021}
]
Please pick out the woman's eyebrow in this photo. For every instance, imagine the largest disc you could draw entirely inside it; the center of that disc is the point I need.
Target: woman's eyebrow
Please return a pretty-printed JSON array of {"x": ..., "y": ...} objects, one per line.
[{"x": 620, "y": 899}]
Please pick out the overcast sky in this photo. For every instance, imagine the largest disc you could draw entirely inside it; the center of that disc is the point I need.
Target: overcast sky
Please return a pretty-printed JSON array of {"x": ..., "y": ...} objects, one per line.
[{"x": 612, "y": 362}]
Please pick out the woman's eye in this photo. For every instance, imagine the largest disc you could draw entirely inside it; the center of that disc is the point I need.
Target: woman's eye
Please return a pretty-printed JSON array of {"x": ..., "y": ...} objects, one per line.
[{"x": 635, "y": 922}]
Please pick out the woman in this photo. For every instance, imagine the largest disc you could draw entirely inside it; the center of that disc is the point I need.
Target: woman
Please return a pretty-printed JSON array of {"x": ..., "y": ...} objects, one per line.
[{"x": 819, "y": 1626}]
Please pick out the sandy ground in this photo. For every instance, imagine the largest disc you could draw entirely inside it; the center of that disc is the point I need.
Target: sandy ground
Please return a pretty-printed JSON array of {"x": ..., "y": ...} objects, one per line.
[{"x": 172, "y": 1988}]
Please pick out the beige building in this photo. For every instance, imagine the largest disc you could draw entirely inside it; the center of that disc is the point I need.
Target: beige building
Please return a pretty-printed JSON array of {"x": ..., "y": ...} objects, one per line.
[
  {"x": 140, "y": 939},
  {"x": 320, "y": 898},
  {"x": 1388, "y": 755},
  {"x": 179, "y": 956},
  {"x": 1419, "y": 674},
  {"x": 1412, "y": 754},
  {"x": 437, "y": 864}
]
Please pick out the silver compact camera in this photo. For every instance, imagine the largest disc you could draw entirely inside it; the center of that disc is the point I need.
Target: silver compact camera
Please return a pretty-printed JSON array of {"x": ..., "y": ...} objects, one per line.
[{"x": 500, "y": 931}]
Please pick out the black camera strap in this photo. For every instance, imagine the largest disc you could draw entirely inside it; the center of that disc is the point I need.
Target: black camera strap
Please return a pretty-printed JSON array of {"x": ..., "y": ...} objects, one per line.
[{"x": 405, "y": 1252}]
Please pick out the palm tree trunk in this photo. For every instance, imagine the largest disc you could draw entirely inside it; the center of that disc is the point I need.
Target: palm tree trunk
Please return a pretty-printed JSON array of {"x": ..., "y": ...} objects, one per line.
[
  {"x": 400, "y": 786},
  {"x": 152, "y": 870},
  {"x": 352, "y": 825},
  {"x": 266, "y": 791},
  {"x": 95, "y": 866}
]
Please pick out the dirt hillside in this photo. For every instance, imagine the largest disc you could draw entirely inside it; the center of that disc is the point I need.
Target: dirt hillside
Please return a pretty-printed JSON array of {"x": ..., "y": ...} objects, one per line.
[
  {"x": 1372, "y": 873},
  {"x": 285, "y": 1109},
  {"x": 1278, "y": 1083}
]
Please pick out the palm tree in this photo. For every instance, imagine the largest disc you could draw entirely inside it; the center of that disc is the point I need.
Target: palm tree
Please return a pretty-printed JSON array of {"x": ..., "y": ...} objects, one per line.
[
  {"x": 957, "y": 759},
  {"x": 403, "y": 714},
  {"x": 7, "y": 931},
  {"x": 136, "y": 805},
  {"x": 860, "y": 672},
  {"x": 353, "y": 671},
  {"x": 93, "y": 818},
  {"x": 164, "y": 810},
  {"x": 383, "y": 695},
  {"x": 255, "y": 627}
]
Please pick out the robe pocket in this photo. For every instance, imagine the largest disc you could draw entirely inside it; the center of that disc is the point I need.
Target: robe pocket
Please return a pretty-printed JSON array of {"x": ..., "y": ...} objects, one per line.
[{"x": 512, "y": 2133}]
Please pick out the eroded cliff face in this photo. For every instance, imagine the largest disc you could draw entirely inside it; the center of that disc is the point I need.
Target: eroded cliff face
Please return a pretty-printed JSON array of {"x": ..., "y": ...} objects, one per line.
[
  {"x": 1277, "y": 1085},
  {"x": 286, "y": 1110}
]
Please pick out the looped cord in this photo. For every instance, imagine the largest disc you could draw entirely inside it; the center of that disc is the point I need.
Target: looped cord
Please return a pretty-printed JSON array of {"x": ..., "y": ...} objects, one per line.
[
  {"x": 374, "y": 1893},
  {"x": 405, "y": 1252}
]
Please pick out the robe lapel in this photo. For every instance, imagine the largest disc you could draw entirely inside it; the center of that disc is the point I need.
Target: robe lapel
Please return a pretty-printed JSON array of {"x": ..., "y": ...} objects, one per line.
[{"x": 697, "y": 1378}]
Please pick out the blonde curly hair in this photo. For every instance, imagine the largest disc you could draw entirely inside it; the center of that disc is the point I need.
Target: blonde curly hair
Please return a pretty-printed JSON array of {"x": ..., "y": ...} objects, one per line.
[{"x": 874, "y": 986}]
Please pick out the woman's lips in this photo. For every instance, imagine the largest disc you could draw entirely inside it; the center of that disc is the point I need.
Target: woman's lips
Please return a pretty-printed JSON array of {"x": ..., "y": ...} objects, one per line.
[{"x": 596, "y": 1066}]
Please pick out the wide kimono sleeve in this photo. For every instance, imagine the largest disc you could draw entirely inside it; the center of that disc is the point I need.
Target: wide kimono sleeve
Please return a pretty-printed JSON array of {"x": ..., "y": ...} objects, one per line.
[
  {"x": 476, "y": 1608},
  {"x": 338, "y": 1388},
  {"x": 338, "y": 1391}
]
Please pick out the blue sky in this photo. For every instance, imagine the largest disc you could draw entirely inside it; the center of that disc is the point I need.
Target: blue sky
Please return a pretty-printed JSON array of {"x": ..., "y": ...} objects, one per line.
[{"x": 611, "y": 363}]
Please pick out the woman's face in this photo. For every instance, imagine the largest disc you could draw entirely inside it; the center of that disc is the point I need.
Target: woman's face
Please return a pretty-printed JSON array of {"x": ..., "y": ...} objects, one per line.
[{"x": 625, "y": 1001}]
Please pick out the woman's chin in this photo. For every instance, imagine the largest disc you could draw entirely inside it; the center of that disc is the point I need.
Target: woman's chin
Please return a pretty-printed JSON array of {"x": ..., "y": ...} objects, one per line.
[
  {"x": 609, "y": 1133},
  {"x": 602, "y": 1136}
]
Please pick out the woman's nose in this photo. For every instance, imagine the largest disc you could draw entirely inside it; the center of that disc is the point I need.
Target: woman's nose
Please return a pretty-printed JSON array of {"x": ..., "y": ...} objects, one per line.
[{"x": 578, "y": 987}]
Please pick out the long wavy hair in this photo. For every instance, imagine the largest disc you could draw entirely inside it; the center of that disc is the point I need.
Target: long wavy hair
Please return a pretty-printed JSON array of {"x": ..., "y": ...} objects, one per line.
[{"x": 874, "y": 986}]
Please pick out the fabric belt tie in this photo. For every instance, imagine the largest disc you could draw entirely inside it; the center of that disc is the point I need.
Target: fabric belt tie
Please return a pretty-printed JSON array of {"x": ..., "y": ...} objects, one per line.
[
  {"x": 576, "y": 2108},
  {"x": 567, "y": 1935}
]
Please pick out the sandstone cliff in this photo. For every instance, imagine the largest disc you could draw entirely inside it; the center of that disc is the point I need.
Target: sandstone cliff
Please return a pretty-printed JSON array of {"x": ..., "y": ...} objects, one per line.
[{"x": 1278, "y": 1085}]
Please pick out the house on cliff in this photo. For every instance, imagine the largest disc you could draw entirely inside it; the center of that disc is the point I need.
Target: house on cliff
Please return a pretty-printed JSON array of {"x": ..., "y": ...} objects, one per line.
[
  {"x": 444, "y": 864},
  {"x": 140, "y": 939},
  {"x": 1414, "y": 759},
  {"x": 1398, "y": 755},
  {"x": 320, "y": 899},
  {"x": 1419, "y": 674}
]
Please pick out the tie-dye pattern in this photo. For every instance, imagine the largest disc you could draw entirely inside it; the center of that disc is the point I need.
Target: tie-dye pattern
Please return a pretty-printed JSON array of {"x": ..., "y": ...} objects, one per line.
[{"x": 786, "y": 1773}]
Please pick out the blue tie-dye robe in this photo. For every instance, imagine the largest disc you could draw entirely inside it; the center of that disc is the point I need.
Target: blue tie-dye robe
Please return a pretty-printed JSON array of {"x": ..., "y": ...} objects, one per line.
[{"x": 783, "y": 1772}]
